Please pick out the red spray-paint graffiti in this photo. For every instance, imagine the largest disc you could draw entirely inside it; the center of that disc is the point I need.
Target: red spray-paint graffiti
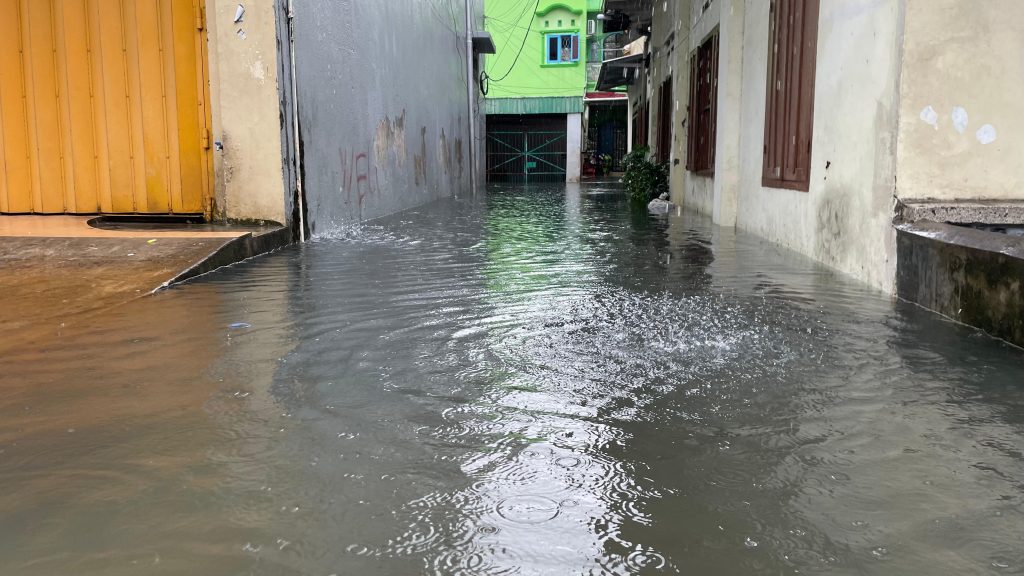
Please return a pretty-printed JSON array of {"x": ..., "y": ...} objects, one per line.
[{"x": 355, "y": 176}]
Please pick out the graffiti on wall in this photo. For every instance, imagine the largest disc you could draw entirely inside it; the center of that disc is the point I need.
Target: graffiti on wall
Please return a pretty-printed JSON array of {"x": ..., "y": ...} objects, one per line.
[{"x": 356, "y": 180}]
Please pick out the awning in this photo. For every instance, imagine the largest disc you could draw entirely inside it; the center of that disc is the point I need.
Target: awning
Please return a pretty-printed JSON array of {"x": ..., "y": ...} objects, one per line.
[
  {"x": 483, "y": 43},
  {"x": 609, "y": 97},
  {"x": 619, "y": 72}
]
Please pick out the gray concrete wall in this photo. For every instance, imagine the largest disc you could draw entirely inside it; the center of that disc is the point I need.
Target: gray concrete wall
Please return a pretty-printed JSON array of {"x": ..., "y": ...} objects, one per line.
[
  {"x": 383, "y": 107},
  {"x": 971, "y": 276}
]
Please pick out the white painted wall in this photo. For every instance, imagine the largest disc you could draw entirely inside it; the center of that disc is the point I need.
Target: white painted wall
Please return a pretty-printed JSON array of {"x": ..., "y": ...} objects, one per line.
[
  {"x": 573, "y": 146},
  {"x": 926, "y": 90},
  {"x": 697, "y": 192},
  {"x": 844, "y": 220},
  {"x": 729, "y": 105},
  {"x": 962, "y": 61}
]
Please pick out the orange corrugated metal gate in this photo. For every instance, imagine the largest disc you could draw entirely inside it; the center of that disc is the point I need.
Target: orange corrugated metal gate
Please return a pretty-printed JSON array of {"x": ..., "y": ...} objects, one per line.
[{"x": 103, "y": 107}]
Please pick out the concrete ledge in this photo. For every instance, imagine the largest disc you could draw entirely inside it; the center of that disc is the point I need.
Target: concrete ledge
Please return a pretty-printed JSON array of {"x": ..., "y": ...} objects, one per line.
[
  {"x": 59, "y": 272},
  {"x": 234, "y": 251},
  {"x": 966, "y": 212},
  {"x": 972, "y": 276}
]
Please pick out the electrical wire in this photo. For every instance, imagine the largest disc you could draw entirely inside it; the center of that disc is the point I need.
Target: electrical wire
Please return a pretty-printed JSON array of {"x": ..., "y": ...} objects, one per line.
[
  {"x": 509, "y": 11},
  {"x": 519, "y": 18},
  {"x": 518, "y": 54},
  {"x": 462, "y": 73}
]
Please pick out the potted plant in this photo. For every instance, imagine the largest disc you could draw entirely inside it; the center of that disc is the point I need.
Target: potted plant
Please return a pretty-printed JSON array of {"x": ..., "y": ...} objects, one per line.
[{"x": 644, "y": 179}]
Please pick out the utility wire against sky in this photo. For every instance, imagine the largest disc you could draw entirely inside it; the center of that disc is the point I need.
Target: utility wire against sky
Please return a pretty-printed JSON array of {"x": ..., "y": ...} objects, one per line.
[{"x": 485, "y": 77}]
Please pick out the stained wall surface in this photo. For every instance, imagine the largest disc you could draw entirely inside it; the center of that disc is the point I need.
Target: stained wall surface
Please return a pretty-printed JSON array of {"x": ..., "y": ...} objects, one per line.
[
  {"x": 383, "y": 106},
  {"x": 249, "y": 79},
  {"x": 961, "y": 113}
]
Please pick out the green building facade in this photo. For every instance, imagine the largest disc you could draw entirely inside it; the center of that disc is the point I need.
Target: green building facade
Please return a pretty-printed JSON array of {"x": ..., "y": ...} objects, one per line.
[
  {"x": 538, "y": 74},
  {"x": 549, "y": 75}
]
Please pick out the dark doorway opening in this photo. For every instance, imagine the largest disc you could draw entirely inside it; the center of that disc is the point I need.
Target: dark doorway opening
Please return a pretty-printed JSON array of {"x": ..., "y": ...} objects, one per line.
[{"x": 607, "y": 126}]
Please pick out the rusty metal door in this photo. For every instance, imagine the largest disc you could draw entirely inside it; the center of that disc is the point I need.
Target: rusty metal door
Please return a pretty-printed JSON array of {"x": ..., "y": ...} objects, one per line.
[{"x": 103, "y": 107}]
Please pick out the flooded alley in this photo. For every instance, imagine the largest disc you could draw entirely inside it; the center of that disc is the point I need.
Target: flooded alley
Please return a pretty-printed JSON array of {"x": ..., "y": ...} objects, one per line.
[{"x": 538, "y": 380}]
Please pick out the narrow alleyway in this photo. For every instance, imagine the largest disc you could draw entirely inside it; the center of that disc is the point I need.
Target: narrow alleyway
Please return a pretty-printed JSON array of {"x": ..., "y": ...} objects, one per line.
[{"x": 535, "y": 381}]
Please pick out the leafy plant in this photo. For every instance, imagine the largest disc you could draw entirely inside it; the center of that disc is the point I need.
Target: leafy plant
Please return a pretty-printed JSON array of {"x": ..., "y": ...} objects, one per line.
[{"x": 644, "y": 179}]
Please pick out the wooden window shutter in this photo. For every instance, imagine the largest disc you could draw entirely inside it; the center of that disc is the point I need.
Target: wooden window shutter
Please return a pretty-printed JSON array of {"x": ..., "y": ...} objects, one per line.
[
  {"x": 691, "y": 116},
  {"x": 789, "y": 99},
  {"x": 666, "y": 107},
  {"x": 712, "y": 102},
  {"x": 703, "y": 130}
]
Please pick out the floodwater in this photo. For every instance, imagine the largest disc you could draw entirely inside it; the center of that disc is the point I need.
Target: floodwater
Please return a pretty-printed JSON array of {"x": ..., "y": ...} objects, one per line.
[{"x": 536, "y": 381}]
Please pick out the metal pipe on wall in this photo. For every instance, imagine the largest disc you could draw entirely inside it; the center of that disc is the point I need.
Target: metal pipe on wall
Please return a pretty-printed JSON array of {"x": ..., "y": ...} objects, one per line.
[
  {"x": 471, "y": 96},
  {"x": 299, "y": 195}
]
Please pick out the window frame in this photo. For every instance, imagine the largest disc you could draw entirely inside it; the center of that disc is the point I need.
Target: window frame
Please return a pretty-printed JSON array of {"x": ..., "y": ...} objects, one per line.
[
  {"x": 575, "y": 48},
  {"x": 702, "y": 109},
  {"x": 666, "y": 112},
  {"x": 641, "y": 116},
  {"x": 789, "y": 97}
]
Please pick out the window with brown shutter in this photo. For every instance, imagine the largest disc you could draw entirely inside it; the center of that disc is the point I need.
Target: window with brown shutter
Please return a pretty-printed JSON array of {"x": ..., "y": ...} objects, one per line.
[
  {"x": 789, "y": 111},
  {"x": 666, "y": 105},
  {"x": 640, "y": 117},
  {"x": 702, "y": 131}
]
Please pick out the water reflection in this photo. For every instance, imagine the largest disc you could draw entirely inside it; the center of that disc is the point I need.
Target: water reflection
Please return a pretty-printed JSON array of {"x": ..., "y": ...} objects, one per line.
[{"x": 538, "y": 381}]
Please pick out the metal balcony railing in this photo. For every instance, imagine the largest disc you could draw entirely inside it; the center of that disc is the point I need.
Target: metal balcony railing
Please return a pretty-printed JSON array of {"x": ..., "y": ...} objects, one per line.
[{"x": 606, "y": 46}]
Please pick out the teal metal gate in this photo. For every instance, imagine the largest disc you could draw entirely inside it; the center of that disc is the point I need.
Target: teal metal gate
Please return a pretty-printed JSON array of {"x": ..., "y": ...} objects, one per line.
[{"x": 522, "y": 154}]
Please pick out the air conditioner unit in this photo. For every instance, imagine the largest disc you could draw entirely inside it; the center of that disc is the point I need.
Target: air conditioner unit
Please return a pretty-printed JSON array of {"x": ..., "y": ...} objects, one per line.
[{"x": 591, "y": 27}]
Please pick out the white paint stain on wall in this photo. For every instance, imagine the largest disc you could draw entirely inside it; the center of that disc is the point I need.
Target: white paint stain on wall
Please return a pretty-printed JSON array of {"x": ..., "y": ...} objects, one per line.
[
  {"x": 960, "y": 120},
  {"x": 258, "y": 72},
  {"x": 930, "y": 116},
  {"x": 986, "y": 134}
]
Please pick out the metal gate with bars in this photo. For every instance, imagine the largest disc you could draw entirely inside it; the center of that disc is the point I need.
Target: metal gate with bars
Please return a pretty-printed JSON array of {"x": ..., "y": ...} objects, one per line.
[{"x": 526, "y": 149}]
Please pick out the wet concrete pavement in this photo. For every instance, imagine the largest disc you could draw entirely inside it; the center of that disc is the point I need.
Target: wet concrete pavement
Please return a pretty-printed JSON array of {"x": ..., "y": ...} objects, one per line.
[
  {"x": 55, "y": 270},
  {"x": 46, "y": 283}
]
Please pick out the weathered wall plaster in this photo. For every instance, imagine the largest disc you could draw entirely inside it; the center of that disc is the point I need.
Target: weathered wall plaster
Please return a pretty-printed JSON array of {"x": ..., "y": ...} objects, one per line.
[
  {"x": 697, "y": 192},
  {"x": 913, "y": 99},
  {"x": 573, "y": 138},
  {"x": 844, "y": 220},
  {"x": 965, "y": 62},
  {"x": 968, "y": 275},
  {"x": 383, "y": 107},
  {"x": 250, "y": 162},
  {"x": 668, "y": 39}
]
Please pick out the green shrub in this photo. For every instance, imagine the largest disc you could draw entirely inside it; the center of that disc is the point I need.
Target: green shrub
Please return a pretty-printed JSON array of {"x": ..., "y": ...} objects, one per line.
[{"x": 645, "y": 180}]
